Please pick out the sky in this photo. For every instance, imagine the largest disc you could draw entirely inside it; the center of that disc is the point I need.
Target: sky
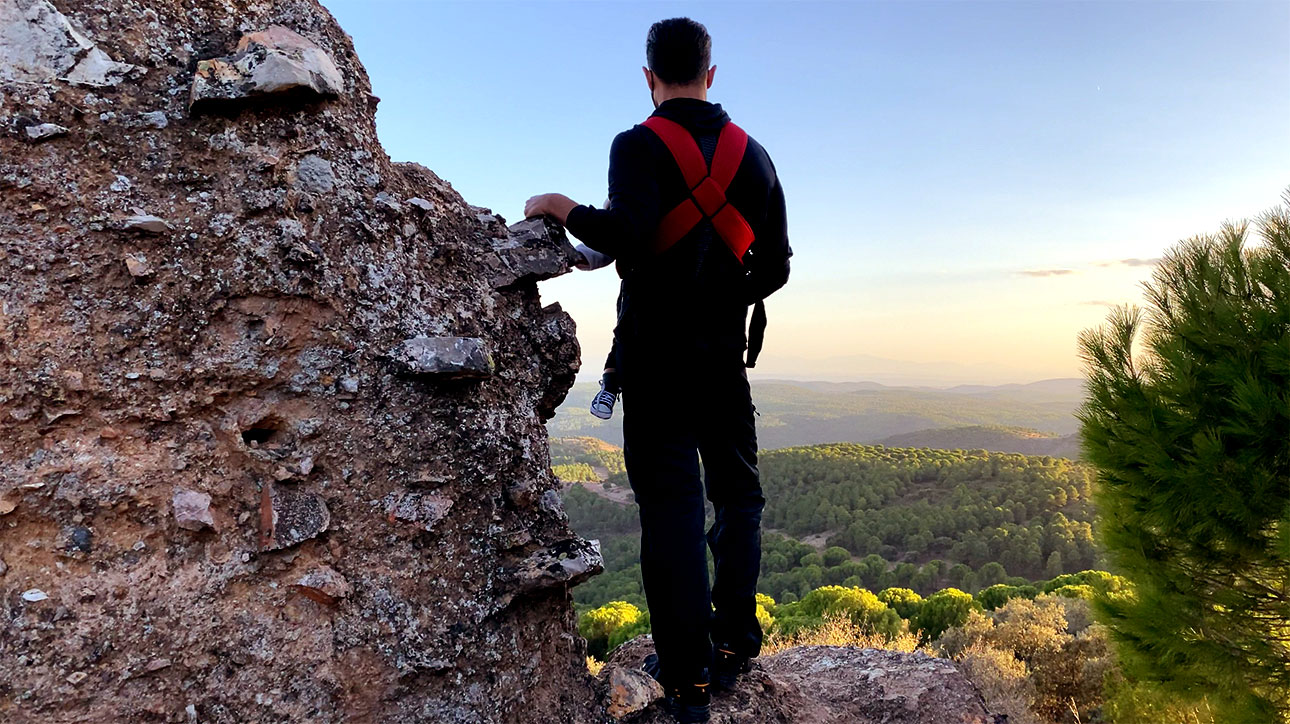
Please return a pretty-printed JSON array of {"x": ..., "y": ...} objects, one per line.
[{"x": 969, "y": 184}]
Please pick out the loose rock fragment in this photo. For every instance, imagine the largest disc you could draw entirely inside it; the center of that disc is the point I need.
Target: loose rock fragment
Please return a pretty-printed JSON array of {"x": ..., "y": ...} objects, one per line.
[
  {"x": 421, "y": 203},
  {"x": 77, "y": 677},
  {"x": 324, "y": 585},
  {"x": 534, "y": 249},
  {"x": 630, "y": 691},
  {"x": 7, "y": 506},
  {"x": 146, "y": 223},
  {"x": 44, "y": 131},
  {"x": 272, "y": 61},
  {"x": 446, "y": 357},
  {"x": 289, "y": 516},
  {"x": 192, "y": 509}
]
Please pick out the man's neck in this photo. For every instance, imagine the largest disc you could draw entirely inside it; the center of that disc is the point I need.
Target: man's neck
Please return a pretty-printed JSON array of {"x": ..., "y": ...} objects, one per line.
[{"x": 665, "y": 93}]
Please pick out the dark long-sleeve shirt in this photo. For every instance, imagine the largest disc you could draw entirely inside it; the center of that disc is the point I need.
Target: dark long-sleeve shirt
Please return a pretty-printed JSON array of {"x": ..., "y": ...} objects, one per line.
[
  {"x": 696, "y": 294},
  {"x": 645, "y": 183}
]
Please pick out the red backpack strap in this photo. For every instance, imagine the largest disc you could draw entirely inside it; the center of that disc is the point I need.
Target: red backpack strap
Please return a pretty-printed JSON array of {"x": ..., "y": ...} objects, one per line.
[
  {"x": 707, "y": 187},
  {"x": 730, "y": 225},
  {"x": 683, "y": 147},
  {"x": 730, "y": 154}
]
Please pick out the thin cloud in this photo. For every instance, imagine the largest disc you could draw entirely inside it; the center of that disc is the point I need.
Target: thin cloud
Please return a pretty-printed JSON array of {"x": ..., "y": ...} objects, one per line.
[
  {"x": 1046, "y": 272},
  {"x": 1131, "y": 262}
]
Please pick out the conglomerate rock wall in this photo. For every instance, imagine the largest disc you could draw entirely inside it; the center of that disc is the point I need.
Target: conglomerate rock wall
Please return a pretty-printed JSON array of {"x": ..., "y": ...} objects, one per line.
[{"x": 271, "y": 406}]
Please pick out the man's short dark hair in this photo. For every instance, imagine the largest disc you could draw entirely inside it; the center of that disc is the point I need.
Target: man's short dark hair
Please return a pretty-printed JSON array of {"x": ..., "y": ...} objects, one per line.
[{"x": 678, "y": 50}]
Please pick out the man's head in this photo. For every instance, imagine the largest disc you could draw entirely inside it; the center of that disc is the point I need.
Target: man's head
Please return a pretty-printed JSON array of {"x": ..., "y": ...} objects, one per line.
[{"x": 678, "y": 52}]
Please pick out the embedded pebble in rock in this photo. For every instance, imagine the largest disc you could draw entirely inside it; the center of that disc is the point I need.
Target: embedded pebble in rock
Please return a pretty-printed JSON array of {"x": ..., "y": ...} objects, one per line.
[
  {"x": 421, "y": 509},
  {"x": 138, "y": 265},
  {"x": 192, "y": 509},
  {"x": 146, "y": 223},
  {"x": 324, "y": 585},
  {"x": 289, "y": 516},
  {"x": 43, "y": 131},
  {"x": 7, "y": 506},
  {"x": 156, "y": 119},
  {"x": 444, "y": 357},
  {"x": 33, "y": 595},
  {"x": 273, "y": 60},
  {"x": 314, "y": 175},
  {"x": 78, "y": 539}
]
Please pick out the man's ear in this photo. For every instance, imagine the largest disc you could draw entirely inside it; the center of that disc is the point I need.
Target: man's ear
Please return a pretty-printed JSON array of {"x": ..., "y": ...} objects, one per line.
[
  {"x": 712, "y": 72},
  {"x": 649, "y": 78}
]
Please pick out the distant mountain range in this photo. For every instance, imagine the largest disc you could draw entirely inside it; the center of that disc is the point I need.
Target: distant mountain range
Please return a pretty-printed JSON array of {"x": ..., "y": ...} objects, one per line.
[{"x": 1005, "y": 418}]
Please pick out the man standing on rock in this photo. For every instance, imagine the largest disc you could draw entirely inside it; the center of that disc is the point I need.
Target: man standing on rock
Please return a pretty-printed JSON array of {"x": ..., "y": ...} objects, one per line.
[{"x": 696, "y": 221}]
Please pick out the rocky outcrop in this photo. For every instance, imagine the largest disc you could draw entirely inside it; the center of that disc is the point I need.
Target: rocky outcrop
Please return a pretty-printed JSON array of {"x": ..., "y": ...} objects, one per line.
[
  {"x": 813, "y": 685},
  {"x": 271, "y": 404}
]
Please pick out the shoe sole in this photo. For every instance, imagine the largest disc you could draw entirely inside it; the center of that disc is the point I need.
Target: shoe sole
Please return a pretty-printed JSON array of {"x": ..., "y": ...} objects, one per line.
[{"x": 602, "y": 415}]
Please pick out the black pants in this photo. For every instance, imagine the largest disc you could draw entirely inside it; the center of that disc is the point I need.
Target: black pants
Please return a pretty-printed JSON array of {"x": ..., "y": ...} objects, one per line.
[{"x": 672, "y": 417}]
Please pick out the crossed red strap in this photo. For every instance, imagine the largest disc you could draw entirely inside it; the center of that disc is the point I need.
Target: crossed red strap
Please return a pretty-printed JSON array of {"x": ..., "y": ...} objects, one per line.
[{"x": 707, "y": 187}]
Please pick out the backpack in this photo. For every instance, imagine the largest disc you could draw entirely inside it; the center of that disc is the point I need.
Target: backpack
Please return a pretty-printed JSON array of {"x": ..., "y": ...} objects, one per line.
[{"x": 707, "y": 200}]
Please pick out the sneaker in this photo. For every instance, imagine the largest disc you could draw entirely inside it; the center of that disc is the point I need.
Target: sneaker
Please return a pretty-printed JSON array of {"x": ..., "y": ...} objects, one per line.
[
  {"x": 687, "y": 704},
  {"x": 726, "y": 668},
  {"x": 603, "y": 404}
]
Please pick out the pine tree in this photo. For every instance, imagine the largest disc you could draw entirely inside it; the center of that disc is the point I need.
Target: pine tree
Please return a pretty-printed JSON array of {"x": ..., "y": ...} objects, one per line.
[{"x": 1191, "y": 438}]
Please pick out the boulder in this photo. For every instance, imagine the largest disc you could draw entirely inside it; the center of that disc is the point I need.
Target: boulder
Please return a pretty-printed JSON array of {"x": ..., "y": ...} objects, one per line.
[
  {"x": 830, "y": 685},
  {"x": 361, "y": 556}
]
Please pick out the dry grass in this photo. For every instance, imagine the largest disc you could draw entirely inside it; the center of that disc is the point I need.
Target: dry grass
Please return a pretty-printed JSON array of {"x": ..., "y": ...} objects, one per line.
[
  {"x": 594, "y": 666},
  {"x": 840, "y": 630}
]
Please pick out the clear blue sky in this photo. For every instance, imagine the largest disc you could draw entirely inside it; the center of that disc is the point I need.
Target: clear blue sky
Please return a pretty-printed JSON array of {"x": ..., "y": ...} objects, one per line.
[{"x": 964, "y": 179}]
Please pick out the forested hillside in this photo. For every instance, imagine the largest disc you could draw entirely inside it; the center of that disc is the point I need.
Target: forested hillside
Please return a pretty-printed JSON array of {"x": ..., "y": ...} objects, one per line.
[
  {"x": 807, "y": 413},
  {"x": 875, "y": 517},
  {"x": 989, "y": 437}
]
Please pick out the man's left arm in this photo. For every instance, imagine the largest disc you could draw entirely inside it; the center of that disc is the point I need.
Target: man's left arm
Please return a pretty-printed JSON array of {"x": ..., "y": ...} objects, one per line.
[{"x": 621, "y": 230}]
